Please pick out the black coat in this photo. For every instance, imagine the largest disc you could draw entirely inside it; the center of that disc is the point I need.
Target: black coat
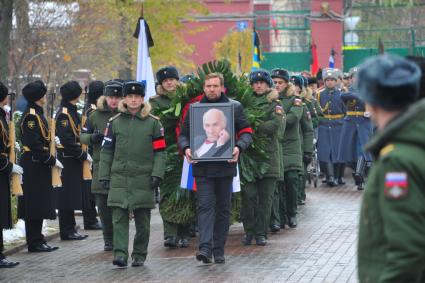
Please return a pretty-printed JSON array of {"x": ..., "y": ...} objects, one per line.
[
  {"x": 5, "y": 169},
  {"x": 38, "y": 199},
  {"x": 243, "y": 133},
  {"x": 70, "y": 153}
]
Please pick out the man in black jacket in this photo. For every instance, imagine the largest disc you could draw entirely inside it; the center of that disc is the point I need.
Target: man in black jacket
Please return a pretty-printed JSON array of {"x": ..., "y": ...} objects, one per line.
[{"x": 214, "y": 179}]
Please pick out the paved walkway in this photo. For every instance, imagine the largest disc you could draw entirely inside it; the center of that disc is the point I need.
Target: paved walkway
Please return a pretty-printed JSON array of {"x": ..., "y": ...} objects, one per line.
[{"x": 321, "y": 249}]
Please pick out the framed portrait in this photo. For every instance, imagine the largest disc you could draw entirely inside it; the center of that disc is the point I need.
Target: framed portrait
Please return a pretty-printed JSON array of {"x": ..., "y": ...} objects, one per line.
[{"x": 212, "y": 133}]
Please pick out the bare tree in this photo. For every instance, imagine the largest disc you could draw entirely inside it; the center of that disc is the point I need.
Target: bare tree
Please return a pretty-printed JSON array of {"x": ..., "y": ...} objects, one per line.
[{"x": 6, "y": 11}]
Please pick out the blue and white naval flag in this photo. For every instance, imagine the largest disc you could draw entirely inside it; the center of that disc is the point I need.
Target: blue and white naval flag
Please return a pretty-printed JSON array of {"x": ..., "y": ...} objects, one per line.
[
  {"x": 332, "y": 59},
  {"x": 188, "y": 181},
  {"x": 144, "y": 72}
]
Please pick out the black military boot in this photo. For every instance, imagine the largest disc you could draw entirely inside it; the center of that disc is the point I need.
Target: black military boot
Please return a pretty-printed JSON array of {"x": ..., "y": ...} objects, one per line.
[
  {"x": 274, "y": 228},
  {"x": 359, "y": 172},
  {"x": 4, "y": 263},
  {"x": 330, "y": 180},
  {"x": 340, "y": 173},
  {"x": 292, "y": 222},
  {"x": 260, "y": 241},
  {"x": 246, "y": 240},
  {"x": 170, "y": 242}
]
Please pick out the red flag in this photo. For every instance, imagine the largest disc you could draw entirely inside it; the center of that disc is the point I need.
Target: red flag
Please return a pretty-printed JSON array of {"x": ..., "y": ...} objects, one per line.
[
  {"x": 314, "y": 60},
  {"x": 274, "y": 25}
]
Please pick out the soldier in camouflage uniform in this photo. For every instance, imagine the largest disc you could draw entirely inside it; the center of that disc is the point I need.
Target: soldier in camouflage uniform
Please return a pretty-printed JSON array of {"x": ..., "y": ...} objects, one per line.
[
  {"x": 392, "y": 220},
  {"x": 132, "y": 136},
  {"x": 257, "y": 196},
  {"x": 175, "y": 234},
  {"x": 107, "y": 107}
]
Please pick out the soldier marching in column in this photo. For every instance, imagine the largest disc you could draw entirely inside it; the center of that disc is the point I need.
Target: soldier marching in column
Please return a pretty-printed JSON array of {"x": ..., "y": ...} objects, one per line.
[{"x": 127, "y": 154}]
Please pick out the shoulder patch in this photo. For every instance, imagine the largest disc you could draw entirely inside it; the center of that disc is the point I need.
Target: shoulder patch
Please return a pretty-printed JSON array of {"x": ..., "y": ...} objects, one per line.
[
  {"x": 154, "y": 97},
  {"x": 153, "y": 116},
  {"x": 114, "y": 117},
  {"x": 396, "y": 185},
  {"x": 298, "y": 102},
  {"x": 31, "y": 124},
  {"x": 387, "y": 149}
]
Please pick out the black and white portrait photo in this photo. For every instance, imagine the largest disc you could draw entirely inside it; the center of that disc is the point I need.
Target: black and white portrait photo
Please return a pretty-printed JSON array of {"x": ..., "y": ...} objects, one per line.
[{"x": 212, "y": 136}]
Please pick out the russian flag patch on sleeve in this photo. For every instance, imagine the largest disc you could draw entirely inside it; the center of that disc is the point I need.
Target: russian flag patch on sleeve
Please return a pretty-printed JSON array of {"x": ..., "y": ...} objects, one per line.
[{"x": 396, "y": 185}]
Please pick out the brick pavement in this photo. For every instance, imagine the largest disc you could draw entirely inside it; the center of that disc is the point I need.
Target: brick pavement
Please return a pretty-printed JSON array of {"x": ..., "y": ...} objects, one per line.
[{"x": 321, "y": 249}]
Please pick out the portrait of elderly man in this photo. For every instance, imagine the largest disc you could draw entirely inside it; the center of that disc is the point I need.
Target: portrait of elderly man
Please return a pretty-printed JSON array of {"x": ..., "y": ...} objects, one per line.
[{"x": 216, "y": 140}]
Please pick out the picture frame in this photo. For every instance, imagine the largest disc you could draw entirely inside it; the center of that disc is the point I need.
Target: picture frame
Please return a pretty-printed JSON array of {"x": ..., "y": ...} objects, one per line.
[{"x": 212, "y": 133}]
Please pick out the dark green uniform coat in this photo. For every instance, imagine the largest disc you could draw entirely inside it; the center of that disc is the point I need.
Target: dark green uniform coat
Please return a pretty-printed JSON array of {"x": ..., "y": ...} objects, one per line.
[
  {"x": 291, "y": 142},
  {"x": 273, "y": 124},
  {"x": 392, "y": 221},
  {"x": 132, "y": 152},
  {"x": 257, "y": 196},
  {"x": 97, "y": 121}
]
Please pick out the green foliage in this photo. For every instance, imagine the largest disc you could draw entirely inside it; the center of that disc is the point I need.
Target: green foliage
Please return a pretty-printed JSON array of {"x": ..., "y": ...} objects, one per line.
[{"x": 178, "y": 205}]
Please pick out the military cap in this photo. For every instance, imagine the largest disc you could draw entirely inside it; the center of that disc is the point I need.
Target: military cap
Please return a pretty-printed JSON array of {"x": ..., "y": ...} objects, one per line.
[
  {"x": 329, "y": 73},
  {"x": 298, "y": 81},
  {"x": 3, "y": 91},
  {"x": 168, "y": 72},
  {"x": 281, "y": 74},
  {"x": 187, "y": 78},
  {"x": 95, "y": 90},
  {"x": 312, "y": 81},
  {"x": 388, "y": 81},
  {"x": 34, "y": 91},
  {"x": 70, "y": 90},
  {"x": 134, "y": 87},
  {"x": 113, "y": 88},
  {"x": 260, "y": 75}
]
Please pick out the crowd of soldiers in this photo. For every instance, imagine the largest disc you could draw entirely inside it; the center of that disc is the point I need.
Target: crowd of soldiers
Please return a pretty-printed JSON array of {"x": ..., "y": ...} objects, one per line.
[{"x": 304, "y": 116}]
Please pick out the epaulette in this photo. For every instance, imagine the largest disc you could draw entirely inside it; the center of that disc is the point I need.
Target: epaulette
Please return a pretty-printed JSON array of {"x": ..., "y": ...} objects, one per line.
[
  {"x": 114, "y": 117},
  {"x": 64, "y": 110},
  {"x": 153, "y": 116},
  {"x": 93, "y": 106},
  {"x": 298, "y": 102},
  {"x": 32, "y": 111},
  {"x": 154, "y": 97},
  {"x": 386, "y": 149}
]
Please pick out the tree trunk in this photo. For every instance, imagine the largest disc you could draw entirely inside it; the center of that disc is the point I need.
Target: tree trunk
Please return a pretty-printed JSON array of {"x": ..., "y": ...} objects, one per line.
[{"x": 5, "y": 29}]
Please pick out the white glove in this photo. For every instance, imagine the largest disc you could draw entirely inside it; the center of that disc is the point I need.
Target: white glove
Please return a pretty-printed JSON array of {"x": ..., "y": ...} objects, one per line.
[
  {"x": 57, "y": 141},
  {"x": 89, "y": 159},
  {"x": 17, "y": 146},
  {"x": 59, "y": 164},
  {"x": 17, "y": 169}
]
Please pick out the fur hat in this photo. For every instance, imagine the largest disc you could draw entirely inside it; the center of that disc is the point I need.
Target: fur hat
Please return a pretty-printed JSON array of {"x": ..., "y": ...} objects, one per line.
[
  {"x": 388, "y": 81},
  {"x": 3, "y": 91},
  {"x": 167, "y": 72},
  {"x": 95, "y": 90},
  {"x": 260, "y": 75},
  {"x": 70, "y": 90},
  {"x": 34, "y": 91},
  {"x": 281, "y": 74},
  {"x": 134, "y": 87}
]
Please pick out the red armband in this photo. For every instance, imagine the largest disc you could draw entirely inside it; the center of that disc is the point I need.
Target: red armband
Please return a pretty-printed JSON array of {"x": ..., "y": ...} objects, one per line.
[
  {"x": 243, "y": 131},
  {"x": 158, "y": 144}
]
